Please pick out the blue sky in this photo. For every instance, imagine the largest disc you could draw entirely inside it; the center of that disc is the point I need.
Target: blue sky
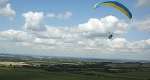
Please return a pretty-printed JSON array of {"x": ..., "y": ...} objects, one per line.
[
  {"x": 70, "y": 27},
  {"x": 82, "y": 10}
]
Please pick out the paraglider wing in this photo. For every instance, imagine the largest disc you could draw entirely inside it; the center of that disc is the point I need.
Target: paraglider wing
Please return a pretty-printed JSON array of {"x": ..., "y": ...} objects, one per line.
[
  {"x": 117, "y": 6},
  {"x": 119, "y": 0}
]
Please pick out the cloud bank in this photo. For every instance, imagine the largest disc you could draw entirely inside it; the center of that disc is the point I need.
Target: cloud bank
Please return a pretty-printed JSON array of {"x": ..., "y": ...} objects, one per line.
[{"x": 89, "y": 36}]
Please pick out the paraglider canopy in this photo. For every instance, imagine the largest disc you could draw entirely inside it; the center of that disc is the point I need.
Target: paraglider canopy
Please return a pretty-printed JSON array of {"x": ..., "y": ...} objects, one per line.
[{"x": 120, "y": 7}]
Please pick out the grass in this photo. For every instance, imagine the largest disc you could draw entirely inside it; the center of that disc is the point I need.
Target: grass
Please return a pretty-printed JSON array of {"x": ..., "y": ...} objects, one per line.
[{"x": 36, "y": 74}]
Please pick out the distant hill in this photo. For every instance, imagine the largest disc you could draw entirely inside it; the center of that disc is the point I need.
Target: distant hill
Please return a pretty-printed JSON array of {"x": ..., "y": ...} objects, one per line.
[{"x": 4, "y": 56}]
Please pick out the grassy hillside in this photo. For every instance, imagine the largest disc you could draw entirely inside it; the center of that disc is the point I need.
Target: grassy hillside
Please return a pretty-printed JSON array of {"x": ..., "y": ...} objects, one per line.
[{"x": 36, "y": 74}]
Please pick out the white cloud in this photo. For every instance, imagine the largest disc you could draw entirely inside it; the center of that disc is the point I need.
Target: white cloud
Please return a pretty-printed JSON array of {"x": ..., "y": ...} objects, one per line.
[
  {"x": 143, "y": 2},
  {"x": 143, "y": 25},
  {"x": 89, "y": 36},
  {"x": 34, "y": 21},
  {"x": 104, "y": 25},
  {"x": 119, "y": 43},
  {"x": 147, "y": 42},
  {"x": 65, "y": 15},
  {"x": 5, "y": 9},
  {"x": 14, "y": 35}
]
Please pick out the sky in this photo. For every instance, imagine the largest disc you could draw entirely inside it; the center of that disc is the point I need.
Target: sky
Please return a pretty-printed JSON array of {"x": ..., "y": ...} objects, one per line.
[{"x": 72, "y": 28}]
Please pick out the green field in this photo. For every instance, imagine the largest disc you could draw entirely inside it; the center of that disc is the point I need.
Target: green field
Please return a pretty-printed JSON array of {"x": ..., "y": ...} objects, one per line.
[{"x": 36, "y": 74}]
